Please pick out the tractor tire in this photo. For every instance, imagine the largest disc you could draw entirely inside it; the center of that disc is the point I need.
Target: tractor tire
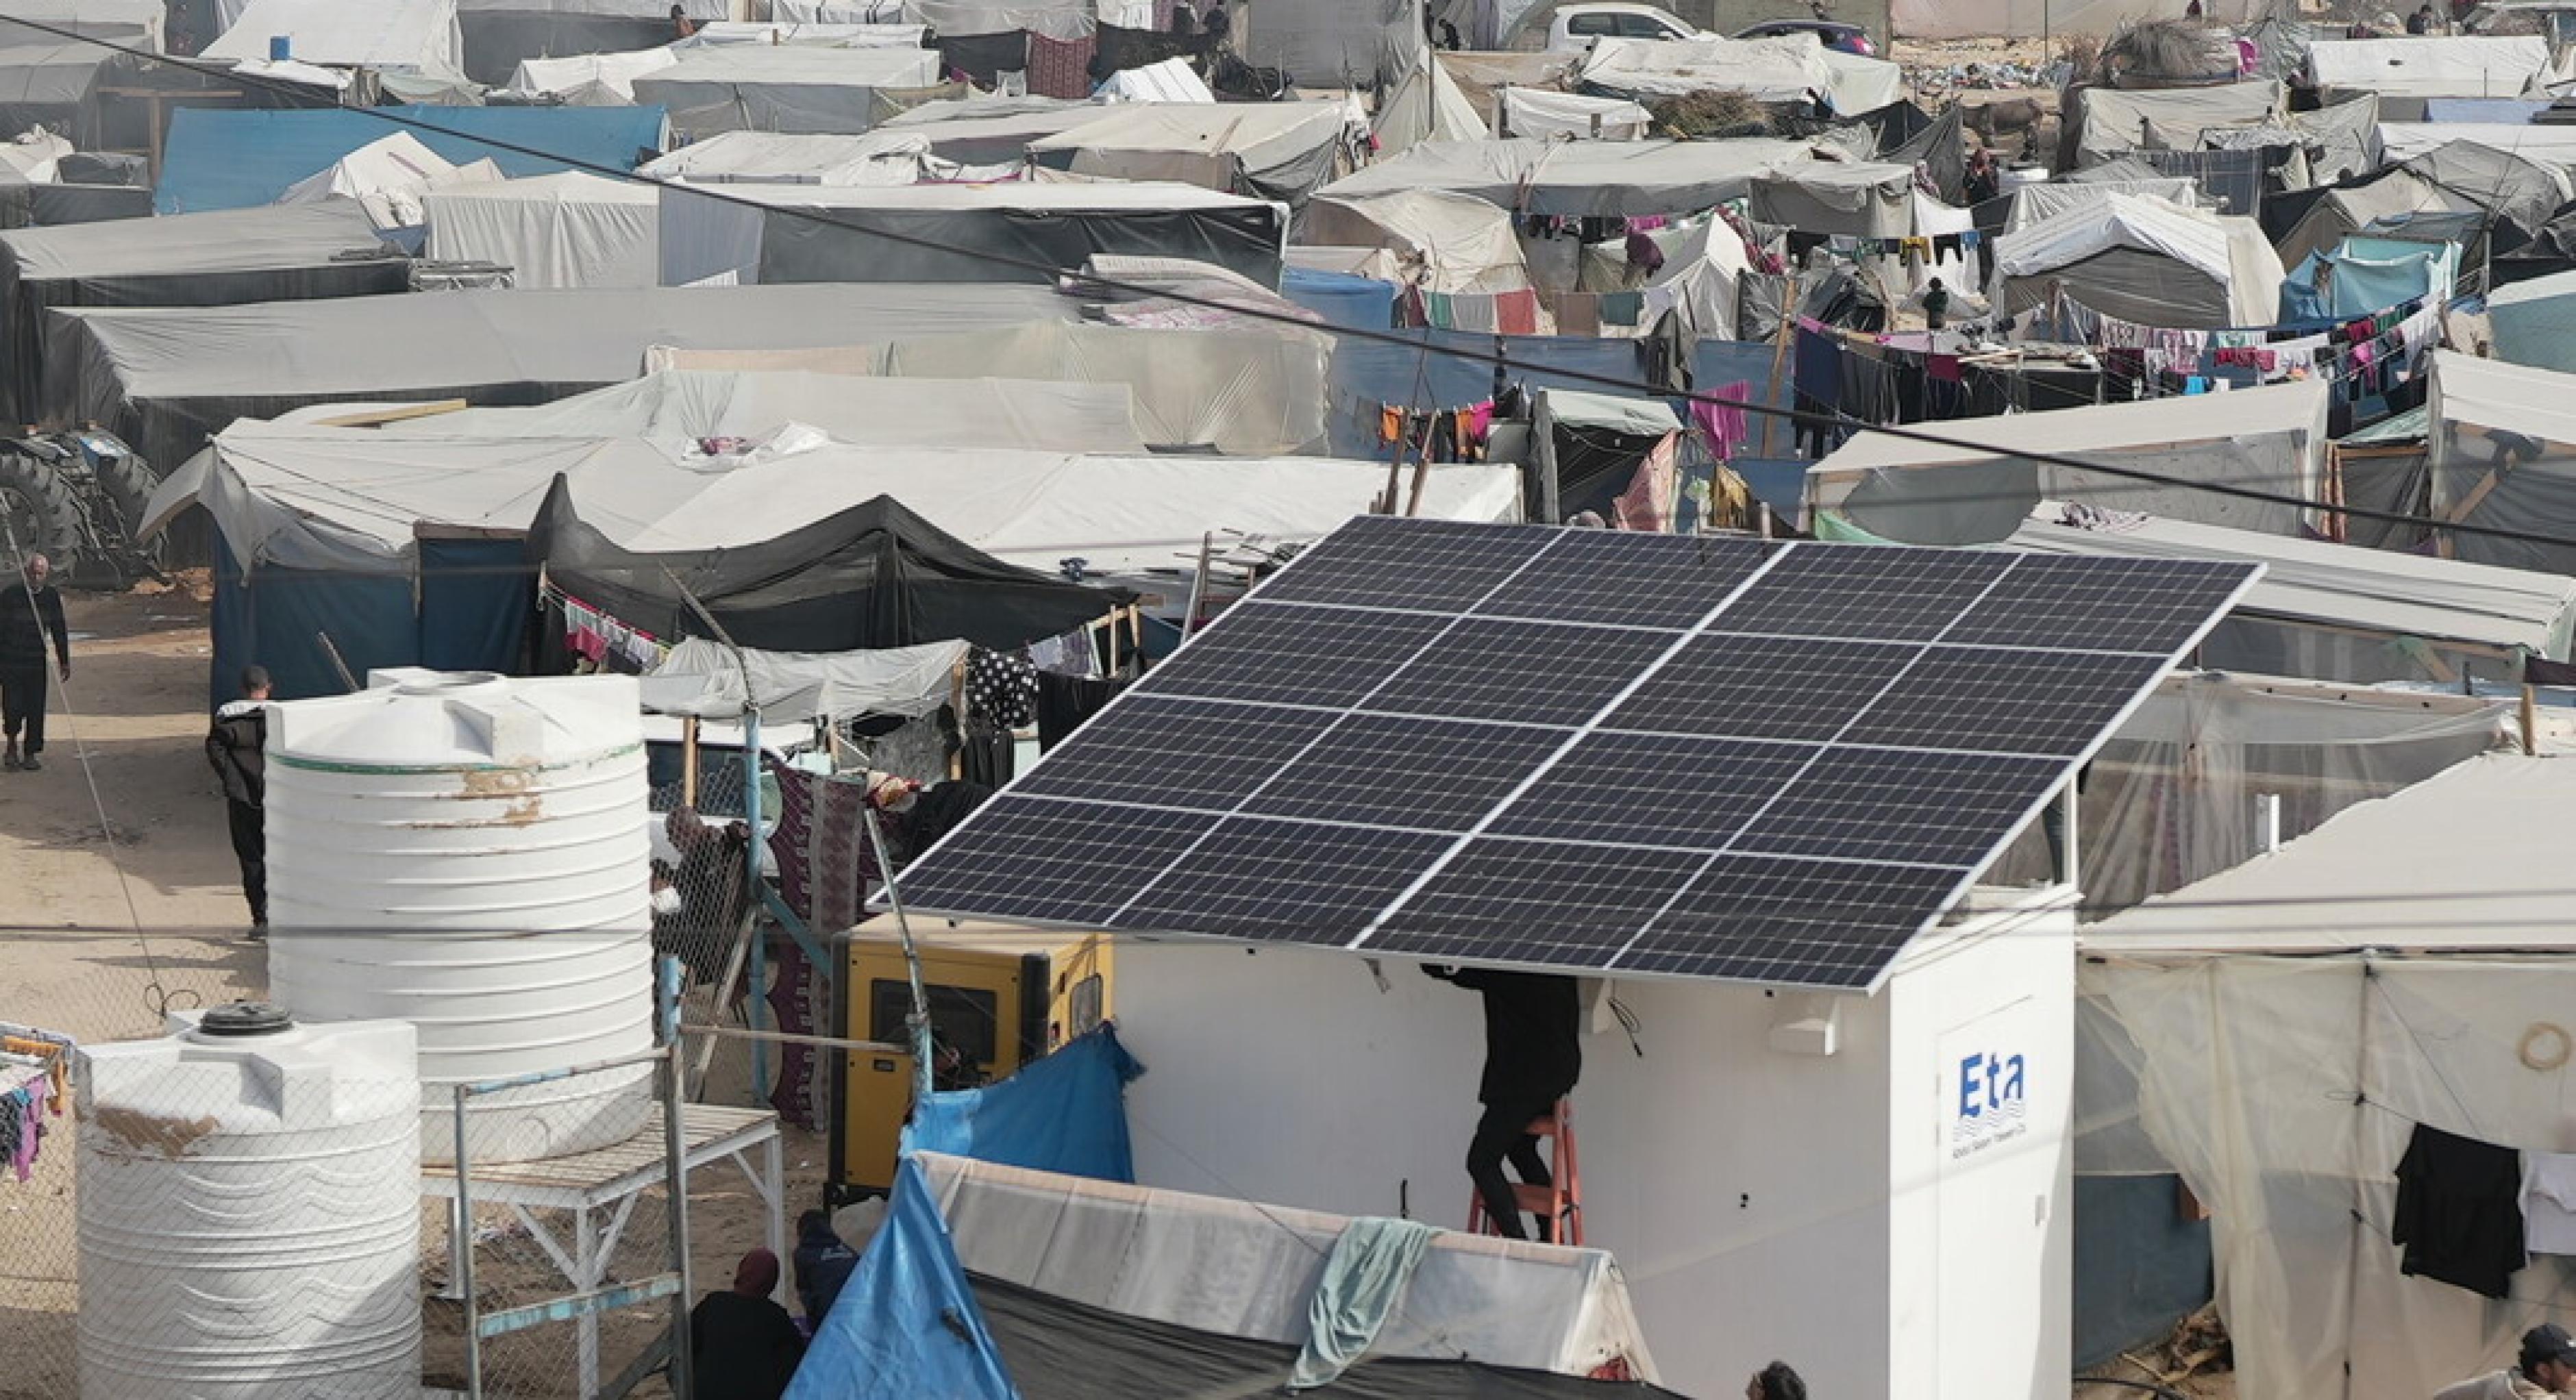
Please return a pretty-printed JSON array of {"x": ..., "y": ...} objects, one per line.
[
  {"x": 129, "y": 483},
  {"x": 42, "y": 518}
]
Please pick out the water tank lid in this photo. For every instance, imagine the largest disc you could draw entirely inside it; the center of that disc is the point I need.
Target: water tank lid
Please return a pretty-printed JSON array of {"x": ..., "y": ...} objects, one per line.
[{"x": 239, "y": 1018}]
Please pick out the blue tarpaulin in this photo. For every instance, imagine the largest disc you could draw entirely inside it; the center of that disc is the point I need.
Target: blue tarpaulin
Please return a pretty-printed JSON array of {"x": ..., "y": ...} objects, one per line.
[
  {"x": 1367, "y": 374},
  {"x": 2367, "y": 275},
  {"x": 906, "y": 1324},
  {"x": 1064, "y": 1113},
  {"x": 1342, "y": 298},
  {"x": 217, "y": 159},
  {"x": 276, "y": 618}
]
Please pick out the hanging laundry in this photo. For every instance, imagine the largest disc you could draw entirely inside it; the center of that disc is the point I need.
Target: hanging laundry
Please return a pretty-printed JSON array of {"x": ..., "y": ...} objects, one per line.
[
  {"x": 2459, "y": 1211},
  {"x": 2549, "y": 1202},
  {"x": 1649, "y": 501},
  {"x": 1064, "y": 702},
  {"x": 1001, "y": 687}
]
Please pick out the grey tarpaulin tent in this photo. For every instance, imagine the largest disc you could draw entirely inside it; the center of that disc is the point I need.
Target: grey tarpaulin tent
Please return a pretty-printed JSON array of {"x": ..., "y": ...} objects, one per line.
[
  {"x": 1057, "y": 227},
  {"x": 1270, "y": 150},
  {"x": 1576, "y": 178},
  {"x": 279, "y": 253},
  {"x": 167, "y": 379},
  {"x": 783, "y": 88},
  {"x": 50, "y": 85}
]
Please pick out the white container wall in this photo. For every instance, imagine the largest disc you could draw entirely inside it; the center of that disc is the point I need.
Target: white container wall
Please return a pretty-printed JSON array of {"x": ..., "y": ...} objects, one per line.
[
  {"x": 249, "y": 1209},
  {"x": 469, "y": 853}
]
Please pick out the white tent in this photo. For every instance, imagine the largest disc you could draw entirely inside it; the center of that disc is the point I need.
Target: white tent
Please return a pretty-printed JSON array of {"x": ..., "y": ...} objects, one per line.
[
  {"x": 2544, "y": 143},
  {"x": 1278, "y": 149},
  {"x": 1580, "y": 178},
  {"x": 2502, "y": 453},
  {"x": 1444, "y": 242},
  {"x": 1172, "y": 80},
  {"x": 2338, "y": 612},
  {"x": 2281, "y": 1031},
  {"x": 391, "y": 177},
  {"x": 812, "y": 34},
  {"x": 1247, "y": 393},
  {"x": 1789, "y": 68},
  {"x": 2115, "y": 120},
  {"x": 2467, "y": 65},
  {"x": 590, "y": 80},
  {"x": 2146, "y": 261},
  {"x": 566, "y": 230},
  {"x": 1426, "y": 106},
  {"x": 704, "y": 678},
  {"x": 2273, "y": 437},
  {"x": 134, "y": 23},
  {"x": 1534, "y": 112},
  {"x": 890, "y": 157},
  {"x": 764, "y": 88},
  {"x": 1866, "y": 199},
  {"x": 394, "y": 36},
  {"x": 306, "y": 496}
]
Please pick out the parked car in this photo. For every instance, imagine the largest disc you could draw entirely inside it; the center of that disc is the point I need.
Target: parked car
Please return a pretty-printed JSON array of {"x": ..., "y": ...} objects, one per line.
[
  {"x": 1833, "y": 34},
  {"x": 1576, "y": 26}
]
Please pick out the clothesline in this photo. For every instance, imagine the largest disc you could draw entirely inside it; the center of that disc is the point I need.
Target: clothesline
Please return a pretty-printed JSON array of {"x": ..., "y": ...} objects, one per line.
[{"x": 595, "y": 634}]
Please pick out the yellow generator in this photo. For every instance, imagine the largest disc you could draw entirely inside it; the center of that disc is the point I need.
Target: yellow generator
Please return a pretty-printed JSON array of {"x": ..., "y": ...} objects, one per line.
[{"x": 999, "y": 998}]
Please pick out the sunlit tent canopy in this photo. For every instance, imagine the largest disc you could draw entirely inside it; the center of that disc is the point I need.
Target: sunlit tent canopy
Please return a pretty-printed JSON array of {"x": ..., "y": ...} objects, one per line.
[
  {"x": 2463, "y": 65},
  {"x": 816, "y": 233},
  {"x": 231, "y": 257},
  {"x": 1786, "y": 68},
  {"x": 590, "y": 80},
  {"x": 1444, "y": 242},
  {"x": 568, "y": 230},
  {"x": 133, "y": 23},
  {"x": 2273, "y": 437},
  {"x": 502, "y": 34},
  {"x": 783, "y": 88},
  {"x": 220, "y": 159},
  {"x": 1580, "y": 178},
  {"x": 389, "y": 177},
  {"x": 1867, "y": 199},
  {"x": 2113, "y": 120},
  {"x": 1535, "y": 112},
  {"x": 167, "y": 379},
  {"x": 419, "y": 38},
  {"x": 988, "y": 130},
  {"x": 2546, "y": 143},
  {"x": 1272, "y": 150},
  {"x": 889, "y": 157},
  {"x": 2038, "y": 203},
  {"x": 2145, "y": 261}
]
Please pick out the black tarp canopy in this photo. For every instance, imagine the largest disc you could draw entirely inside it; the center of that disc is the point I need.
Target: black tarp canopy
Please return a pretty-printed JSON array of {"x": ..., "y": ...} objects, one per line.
[{"x": 875, "y": 575}]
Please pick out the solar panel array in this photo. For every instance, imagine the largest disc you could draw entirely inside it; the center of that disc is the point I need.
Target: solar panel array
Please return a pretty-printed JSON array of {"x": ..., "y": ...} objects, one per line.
[{"x": 1586, "y": 749}]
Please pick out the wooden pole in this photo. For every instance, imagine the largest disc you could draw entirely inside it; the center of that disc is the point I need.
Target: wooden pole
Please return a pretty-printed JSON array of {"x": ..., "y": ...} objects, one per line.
[
  {"x": 689, "y": 762},
  {"x": 2530, "y": 723}
]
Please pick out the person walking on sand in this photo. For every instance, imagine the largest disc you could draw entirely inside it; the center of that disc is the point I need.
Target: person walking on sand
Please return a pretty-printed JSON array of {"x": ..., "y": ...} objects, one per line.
[
  {"x": 235, "y": 745},
  {"x": 30, "y": 608}
]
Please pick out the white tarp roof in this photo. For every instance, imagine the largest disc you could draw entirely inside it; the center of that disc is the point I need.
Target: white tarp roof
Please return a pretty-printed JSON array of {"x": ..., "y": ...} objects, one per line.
[
  {"x": 1241, "y": 1269},
  {"x": 706, "y": 679},
  {"x": 677, "y": 408},
  {"x": 2230, "y": 252},
  {"x": 1534, "y": 112},
  {"x": 890, "y": 157},
  {"x": 1444, "y": 242},
  {"x": 1172, "y": 80},
  {"x": 2468, "y": 65},
  {"x": 1579, "y": 177},
  {"x": 2495, "y": 825},
  {"x": 562, "y": 230},
  {"x": 390, "y": 177},
  {"x": 810, "y": 34},
  {"x": 1247, "y": 392},
  {"x": 349, "y": 498},
  {"x": 2341, "y": 585},
  {"x": 136, "y": 23},
  {"x": 33, "y": 158},
  {"x": 417, "y": 36},
  {"x": 1199, "y": 143},
  {"x": 2273, "y": 437},
  {"x": 588, "y": 78},
  {"x": 759, "y": 87},
  {"x": 1785, "y": 68},
  {"x": 1427, "y": 106},
  {"x": 2545, "y": 143},
  {"x": 2117, "y": 120}
]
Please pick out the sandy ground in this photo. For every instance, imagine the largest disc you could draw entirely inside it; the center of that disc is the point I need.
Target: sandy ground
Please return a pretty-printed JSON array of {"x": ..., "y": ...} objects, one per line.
[{"x": 71, "y": 961}]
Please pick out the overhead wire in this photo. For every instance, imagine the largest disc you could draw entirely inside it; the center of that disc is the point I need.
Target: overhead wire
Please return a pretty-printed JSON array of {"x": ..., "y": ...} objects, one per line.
[{"x": 1058, "y": 275}]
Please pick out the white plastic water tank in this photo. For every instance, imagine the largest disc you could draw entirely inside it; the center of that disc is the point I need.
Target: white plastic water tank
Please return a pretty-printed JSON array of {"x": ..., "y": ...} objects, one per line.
[
  {"x": 249, "y": 1206},
  {"x": 468, "y": 852}
]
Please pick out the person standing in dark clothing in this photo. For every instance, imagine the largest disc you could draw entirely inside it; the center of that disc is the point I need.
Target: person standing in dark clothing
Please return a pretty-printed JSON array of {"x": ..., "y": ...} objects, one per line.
[
  {"x": 29, "y": 608},
  {"x": 742, "y": 1345},
  {"x": 1533, "y": 1055},
  {"x": 1936, "y": 306},
  {"x": 1217, "y": 23},
  {"x": 235, "y": 746},
  {"x": 823, "y": 1264}
]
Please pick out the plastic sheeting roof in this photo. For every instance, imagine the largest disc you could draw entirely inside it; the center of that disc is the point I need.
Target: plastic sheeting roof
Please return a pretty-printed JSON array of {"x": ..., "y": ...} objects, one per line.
[
  {"x": 230, "y": 240},
  {"x": 218, "y": 159},
  {"x": 1444, "y": 242},
  {"x": 1242, "y": 1269},
  {"x": 2341, "y": 585},
  {"x": 568, "y": 230},
  {"x": 2117, "y": 120},
  {"x": 316, "y": 497},
  {"x": 703, "y": 678},
  {"x": 1784, "y": 68},
  {"x": 130, "y": 22},
  {"x": 2546, "y": 143},
  {"x": 808, "y": 158},
  {"x": 611, "y": 73},
  {"x": 2035, "y": 204},
  {"x": 1146, "y": 141},
  {"x": 1527, "y": 112},
  {"x": 765, "y": 65},
  {"x": 450, "y": 340},
  {"x": 2231, "y": 252},
  {"x": 2495, "y": 825},
  {"x": 416, "y": 35},
  {"x": 1575, "y": 178},
  {"x": 2468, "y": 65}
]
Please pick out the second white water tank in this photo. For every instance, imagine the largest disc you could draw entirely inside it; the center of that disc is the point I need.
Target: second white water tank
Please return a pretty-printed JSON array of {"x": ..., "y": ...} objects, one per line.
[
  {"x": 468, "y": 852},
  {"x": 249, "y": 1198}
]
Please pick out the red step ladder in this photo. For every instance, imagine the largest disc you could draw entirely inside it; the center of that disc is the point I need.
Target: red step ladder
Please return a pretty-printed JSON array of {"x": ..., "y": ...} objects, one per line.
[{"x": 1560, "y": 1202}]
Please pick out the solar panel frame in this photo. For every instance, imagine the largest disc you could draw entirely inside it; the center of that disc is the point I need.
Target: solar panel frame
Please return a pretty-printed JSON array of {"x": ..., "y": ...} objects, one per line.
[{"x": 1477, "y": 898}]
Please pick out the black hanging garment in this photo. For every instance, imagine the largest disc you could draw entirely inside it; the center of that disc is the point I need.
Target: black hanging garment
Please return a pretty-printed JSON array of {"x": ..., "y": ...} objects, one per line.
[
  {"x": 1064, "y": 702},
  {"x": 2459, "y": 1211}
]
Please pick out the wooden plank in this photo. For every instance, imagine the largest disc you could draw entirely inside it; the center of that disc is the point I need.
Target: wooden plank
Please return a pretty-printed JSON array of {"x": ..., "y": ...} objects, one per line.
[{"x": 378, "y": 417}]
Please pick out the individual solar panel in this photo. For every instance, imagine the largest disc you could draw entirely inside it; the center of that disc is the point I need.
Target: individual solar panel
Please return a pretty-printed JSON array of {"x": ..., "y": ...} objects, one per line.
[{"x": 1587, "y": 749}]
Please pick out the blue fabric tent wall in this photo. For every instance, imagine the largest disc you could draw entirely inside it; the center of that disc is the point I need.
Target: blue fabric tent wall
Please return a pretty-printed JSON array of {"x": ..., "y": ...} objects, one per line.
[
  {"x": 1065, "y": 1112},
  {"x": 476, "y": 597},
  {"x": 906, "y": 1324},
  {"x": 1341, "y": 298},
  {"x": 275, "y": 618},
  {"x": 218, "y": 159},
  {"x": 1369, "y": 373}
]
